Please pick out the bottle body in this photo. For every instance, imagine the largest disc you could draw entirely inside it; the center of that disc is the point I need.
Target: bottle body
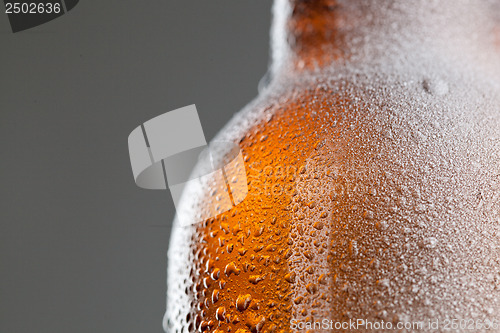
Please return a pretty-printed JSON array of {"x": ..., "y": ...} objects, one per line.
[{"x": 373, "y": 194}]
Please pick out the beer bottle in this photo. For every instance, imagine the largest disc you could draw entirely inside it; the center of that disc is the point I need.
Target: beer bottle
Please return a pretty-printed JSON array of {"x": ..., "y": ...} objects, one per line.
[{"x": 372, "y": 157}]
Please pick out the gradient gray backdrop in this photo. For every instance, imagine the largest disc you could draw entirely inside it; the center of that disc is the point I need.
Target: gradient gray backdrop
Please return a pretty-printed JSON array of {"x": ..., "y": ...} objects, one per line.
[{"x": 82, "y": 249}]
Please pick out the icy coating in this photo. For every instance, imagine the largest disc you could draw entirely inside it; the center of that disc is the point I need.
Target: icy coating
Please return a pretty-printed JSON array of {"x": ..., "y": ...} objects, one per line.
[{"x": 373, "y": 178}]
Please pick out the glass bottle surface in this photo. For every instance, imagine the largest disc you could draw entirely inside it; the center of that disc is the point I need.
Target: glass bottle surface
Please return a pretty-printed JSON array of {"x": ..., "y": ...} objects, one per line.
[{"x": 373, "y": 167}]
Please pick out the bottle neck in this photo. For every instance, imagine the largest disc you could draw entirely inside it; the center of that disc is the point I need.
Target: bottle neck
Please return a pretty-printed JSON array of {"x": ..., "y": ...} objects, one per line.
[{"x": 308, "y": 34}]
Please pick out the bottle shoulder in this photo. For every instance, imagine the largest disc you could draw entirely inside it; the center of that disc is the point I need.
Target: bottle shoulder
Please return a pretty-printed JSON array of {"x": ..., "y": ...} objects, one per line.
[
  {"x": 439, "y": 133},
  {"x": 373, "y": 97},
  {"x": 356, "y": 191}
]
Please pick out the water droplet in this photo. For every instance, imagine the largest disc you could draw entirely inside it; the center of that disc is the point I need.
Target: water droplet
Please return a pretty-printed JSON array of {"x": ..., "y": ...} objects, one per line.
[
  {"x": 318, "y": 225},
  {"x": 368, "y": 215},
  {"x": 215, "y": 296},
  {"x": 215, "y": 274},
  {"x": 298, "y": 300},
  {"x": 243, "y": 301},
  {"x": 384, "y": 283},
  {"x": 311, "y": 288},
  {"x": 435, "y": 87},
  {"x": 381, "y": 225},
  {"x": 220, "y": 313},
  {"x": 322, "y": 279},
  {"x": 254, "y": 279},
  {"x": 231, "y": 269},
  {"x": 353, "y": 249}
]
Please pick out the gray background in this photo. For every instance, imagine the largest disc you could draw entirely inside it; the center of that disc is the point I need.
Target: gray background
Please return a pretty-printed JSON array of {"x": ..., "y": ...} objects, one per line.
[{"x": 82, "y": 249}]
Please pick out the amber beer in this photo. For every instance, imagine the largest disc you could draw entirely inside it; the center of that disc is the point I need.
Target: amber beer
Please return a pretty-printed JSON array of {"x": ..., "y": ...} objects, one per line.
[{"x": 373, "y": 174}]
